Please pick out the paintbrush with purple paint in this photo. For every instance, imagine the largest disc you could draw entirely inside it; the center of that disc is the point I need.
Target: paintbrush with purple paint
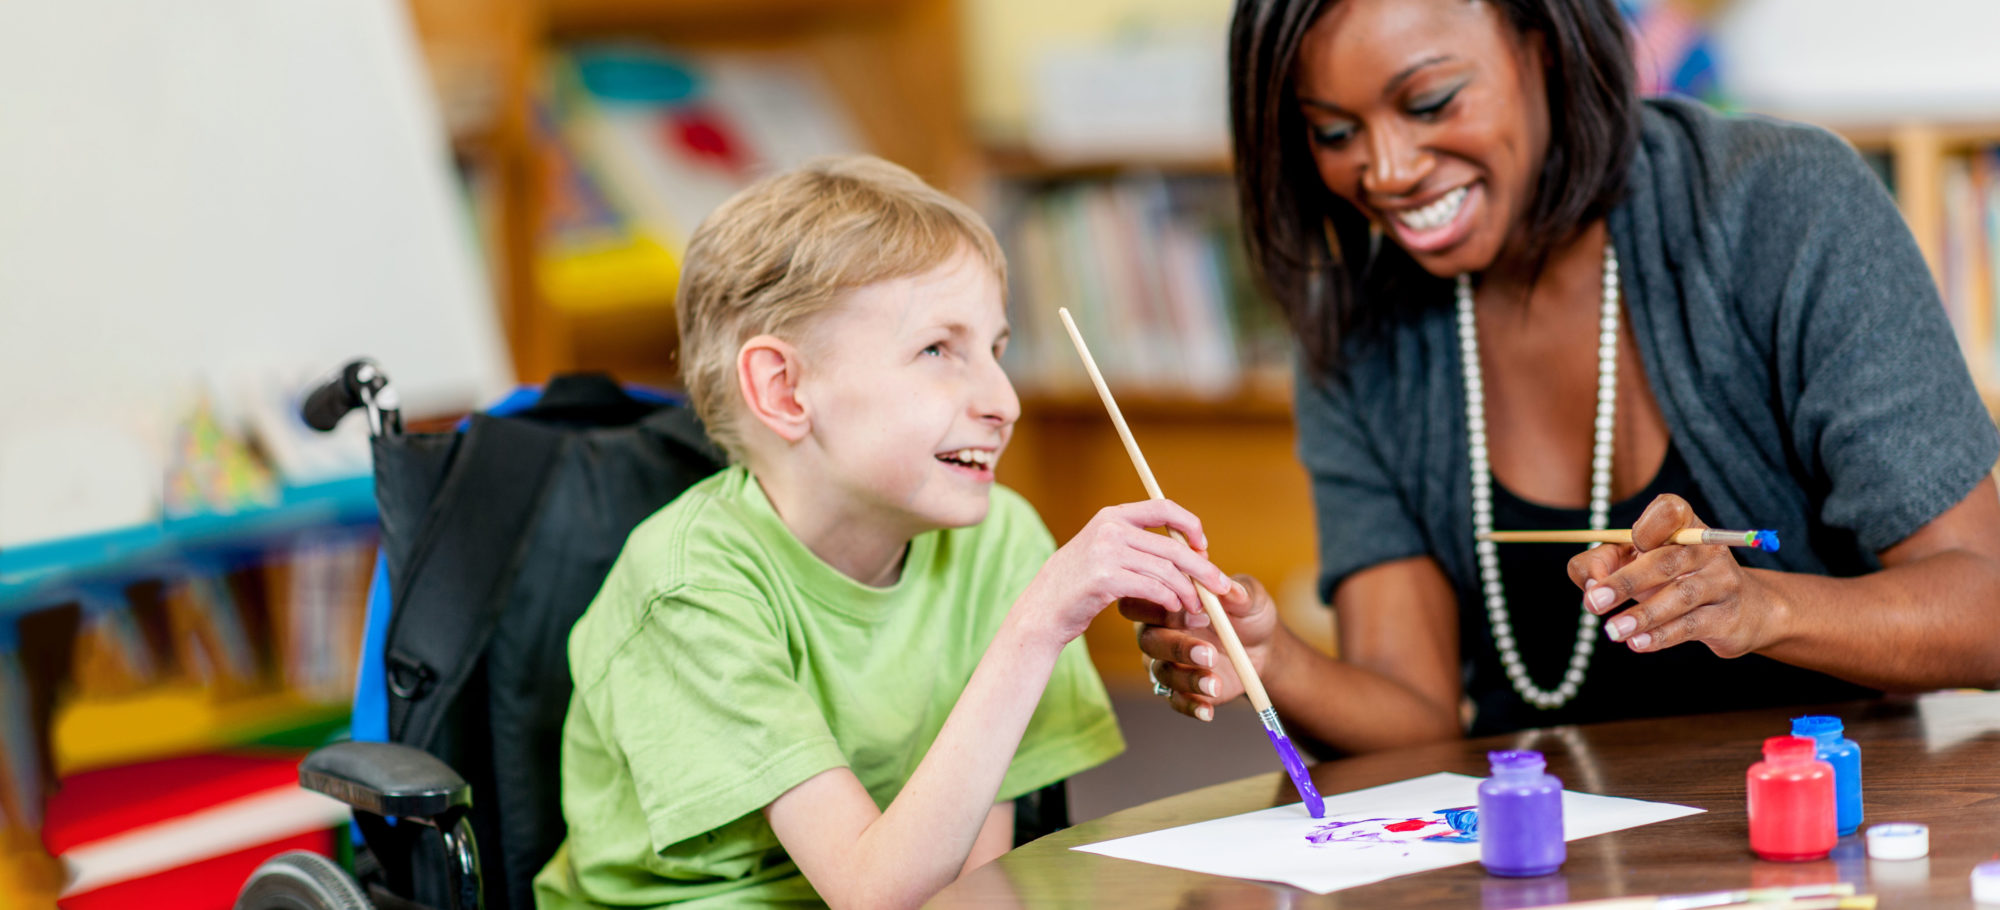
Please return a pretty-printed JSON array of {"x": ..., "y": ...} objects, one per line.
[{"x": 1253, "y": 687}]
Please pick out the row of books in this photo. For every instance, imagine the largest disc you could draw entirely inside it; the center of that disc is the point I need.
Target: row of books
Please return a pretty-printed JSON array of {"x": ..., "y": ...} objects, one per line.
[
  {"x": 1152, "y": 268},
  {"x": 292, "y": 625},
  {"x": 1971, "y": 255},
  {"x": 640, "y": 142}
]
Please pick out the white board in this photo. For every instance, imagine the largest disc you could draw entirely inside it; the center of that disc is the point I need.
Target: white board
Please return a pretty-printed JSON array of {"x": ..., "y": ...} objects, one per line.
[
  {"x": 1863, "y": 61},
  {"x": 201, "y": 192}
]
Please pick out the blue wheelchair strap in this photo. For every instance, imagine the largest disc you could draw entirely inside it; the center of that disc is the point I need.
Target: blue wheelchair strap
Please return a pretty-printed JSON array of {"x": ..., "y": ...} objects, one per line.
[
  {"x": 371, "y": 693},
  {"x": 525, "y": 397}
]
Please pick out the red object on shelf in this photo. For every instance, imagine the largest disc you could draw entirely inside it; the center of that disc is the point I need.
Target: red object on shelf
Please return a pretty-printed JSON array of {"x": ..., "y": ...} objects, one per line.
[
  {"x": 171, "y": 833},
  {"x": 1792, "y": 816}
]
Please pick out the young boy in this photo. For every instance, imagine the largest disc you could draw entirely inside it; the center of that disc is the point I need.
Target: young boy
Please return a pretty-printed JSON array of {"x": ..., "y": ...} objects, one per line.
[{"x": 825, "y": 672}]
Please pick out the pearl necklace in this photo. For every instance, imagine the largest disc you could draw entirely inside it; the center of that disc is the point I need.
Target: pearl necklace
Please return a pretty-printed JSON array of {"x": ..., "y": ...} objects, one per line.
[{"x": 1482, "y": 487}]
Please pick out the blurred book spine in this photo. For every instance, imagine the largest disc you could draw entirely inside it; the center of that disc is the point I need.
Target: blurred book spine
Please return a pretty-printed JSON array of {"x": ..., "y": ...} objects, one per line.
[
  {"x": 1971, "y": 254},
  {"x": 1153, "y": 270}
]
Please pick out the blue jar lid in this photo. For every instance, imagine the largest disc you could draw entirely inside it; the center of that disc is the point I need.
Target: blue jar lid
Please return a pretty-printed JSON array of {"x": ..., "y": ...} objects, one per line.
[{"x": 1818, "y": 726}]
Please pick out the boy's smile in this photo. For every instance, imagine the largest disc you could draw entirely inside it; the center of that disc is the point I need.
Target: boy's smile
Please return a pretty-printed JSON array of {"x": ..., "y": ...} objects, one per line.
[{"x": 909, "y": 408}]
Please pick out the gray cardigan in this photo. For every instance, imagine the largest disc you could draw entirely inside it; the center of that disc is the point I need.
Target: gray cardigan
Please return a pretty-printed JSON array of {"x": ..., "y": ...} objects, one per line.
[{"x": 1789, "y": 329}]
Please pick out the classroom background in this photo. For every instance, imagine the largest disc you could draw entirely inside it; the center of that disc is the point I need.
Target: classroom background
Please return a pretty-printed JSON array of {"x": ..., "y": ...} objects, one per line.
[{"x": 206, "y": 204}]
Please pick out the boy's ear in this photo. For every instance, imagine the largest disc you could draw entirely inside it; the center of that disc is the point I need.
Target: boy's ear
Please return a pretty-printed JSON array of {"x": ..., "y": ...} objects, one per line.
[{"x": 767, "y": 371}]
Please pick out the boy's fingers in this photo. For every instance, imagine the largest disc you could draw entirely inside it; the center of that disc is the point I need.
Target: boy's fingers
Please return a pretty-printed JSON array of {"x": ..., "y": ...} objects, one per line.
[
  {"x": 1165, "y": 513},
  {"x": 1186, "y": 560},
  {"x": 1166, "y": 573}
]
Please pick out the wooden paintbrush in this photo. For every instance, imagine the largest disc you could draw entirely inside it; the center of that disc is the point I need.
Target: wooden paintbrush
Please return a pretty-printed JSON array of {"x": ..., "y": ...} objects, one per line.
[
  {"x": 1762, "y": 540},
  {"x": 1253, "y": 687}
]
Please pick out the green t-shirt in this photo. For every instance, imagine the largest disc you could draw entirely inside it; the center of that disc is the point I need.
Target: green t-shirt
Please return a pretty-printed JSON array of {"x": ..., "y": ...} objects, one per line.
[{"x": 723, "y": 663}]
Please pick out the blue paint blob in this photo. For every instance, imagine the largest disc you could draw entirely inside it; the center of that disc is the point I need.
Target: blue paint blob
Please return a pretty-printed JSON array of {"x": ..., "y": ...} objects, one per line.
[{"x": 1767, "y": 541}]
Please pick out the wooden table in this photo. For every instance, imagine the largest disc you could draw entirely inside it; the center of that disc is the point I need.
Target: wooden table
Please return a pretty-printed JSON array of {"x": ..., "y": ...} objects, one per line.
[{"x": 1934, "y": 759}]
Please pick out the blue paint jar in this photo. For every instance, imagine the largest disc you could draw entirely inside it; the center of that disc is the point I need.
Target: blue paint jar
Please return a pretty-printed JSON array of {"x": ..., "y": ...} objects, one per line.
[
  {"x": 1520, "y": 816},
  {"x": 1845, "y": 757}
]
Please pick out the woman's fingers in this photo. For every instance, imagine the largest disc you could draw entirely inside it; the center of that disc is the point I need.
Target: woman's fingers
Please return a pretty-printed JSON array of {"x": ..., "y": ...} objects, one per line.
[
  {"x": 1664, "y": 516},
  {"x": 1177, "y": 647},
  {"x": 1141, "y": 610},
  {"x": 1183, "y": 678},
  {"x": 1672, "y": 600}
]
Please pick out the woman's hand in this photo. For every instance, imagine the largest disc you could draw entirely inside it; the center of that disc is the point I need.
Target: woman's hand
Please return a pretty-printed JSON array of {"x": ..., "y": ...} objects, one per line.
[
  {"x": 1185, "y": 655},
  {"x": 1684, "y": 592},
  {"x": 1115, "y": 557}
]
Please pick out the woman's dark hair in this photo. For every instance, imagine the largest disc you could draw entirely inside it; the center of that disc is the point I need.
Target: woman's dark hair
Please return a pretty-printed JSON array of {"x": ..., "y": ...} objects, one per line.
[{"x": 1305, "y": 242}]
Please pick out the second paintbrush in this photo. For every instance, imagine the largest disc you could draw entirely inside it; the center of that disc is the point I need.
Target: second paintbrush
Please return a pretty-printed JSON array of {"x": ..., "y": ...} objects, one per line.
[{"x": 1762, "y": 540}]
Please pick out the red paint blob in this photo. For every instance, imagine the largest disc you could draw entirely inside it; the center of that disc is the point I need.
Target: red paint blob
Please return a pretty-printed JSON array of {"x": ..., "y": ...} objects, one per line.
[{"x": 1411, "y": 825}]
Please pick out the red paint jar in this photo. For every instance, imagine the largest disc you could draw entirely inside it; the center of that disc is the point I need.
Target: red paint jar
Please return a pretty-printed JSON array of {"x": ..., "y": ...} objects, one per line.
[{"x": 1792, "y": 815}]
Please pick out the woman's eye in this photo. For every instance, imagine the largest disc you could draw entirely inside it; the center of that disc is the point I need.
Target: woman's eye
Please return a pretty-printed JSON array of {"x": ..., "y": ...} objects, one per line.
[
  {"x": 935, "y": 350},
  {"x": 1433, "y": 105},
  {"x": 1333, "y": 134}
]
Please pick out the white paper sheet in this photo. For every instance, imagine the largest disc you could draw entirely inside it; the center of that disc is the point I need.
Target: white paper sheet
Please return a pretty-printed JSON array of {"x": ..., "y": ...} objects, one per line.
[{"x": 1367, "y": 835}]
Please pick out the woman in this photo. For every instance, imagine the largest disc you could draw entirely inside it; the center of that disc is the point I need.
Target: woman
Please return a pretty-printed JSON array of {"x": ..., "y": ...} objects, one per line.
[{"x": 1525, "y": 299}]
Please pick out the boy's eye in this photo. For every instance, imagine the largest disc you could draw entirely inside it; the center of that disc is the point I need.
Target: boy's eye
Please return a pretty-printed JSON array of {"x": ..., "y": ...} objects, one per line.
[
  {"x": 1434, "y": 104},
  {"x": 935, "y": 350}
]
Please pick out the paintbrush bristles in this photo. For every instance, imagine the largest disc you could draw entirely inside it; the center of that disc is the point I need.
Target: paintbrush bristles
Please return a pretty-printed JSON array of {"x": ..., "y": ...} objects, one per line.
[{"x": 1253, "y": 686}]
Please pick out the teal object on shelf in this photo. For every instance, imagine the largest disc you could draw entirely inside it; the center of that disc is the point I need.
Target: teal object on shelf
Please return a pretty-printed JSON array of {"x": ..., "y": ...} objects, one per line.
[{"x": 37, "y": 575}]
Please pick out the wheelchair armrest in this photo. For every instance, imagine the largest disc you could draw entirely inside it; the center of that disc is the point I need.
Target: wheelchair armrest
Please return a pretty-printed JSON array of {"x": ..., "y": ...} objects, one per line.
[{"x": 387, "y": 779}]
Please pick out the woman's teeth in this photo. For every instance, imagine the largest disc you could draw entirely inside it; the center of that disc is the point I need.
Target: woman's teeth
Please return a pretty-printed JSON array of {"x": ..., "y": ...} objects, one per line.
[{"x": 1436, "y": 215}]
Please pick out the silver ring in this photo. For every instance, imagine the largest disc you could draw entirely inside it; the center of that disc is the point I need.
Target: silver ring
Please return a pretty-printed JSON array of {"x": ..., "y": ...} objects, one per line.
[{"x": 1158, "y": 689}]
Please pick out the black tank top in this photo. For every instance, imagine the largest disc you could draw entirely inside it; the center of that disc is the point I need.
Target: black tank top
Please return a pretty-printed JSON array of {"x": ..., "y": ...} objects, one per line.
[{"x": 1543, "y": 606}]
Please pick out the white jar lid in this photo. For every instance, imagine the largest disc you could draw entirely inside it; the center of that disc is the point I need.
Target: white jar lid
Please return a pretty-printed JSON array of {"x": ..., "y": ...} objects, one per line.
[
  {"x": 1986, "y": 882},
  {"x": 1900, "y": 840}
]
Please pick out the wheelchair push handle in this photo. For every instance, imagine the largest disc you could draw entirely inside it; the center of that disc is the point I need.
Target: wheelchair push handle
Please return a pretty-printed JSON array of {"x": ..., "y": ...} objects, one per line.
[{"x": 359, "y": 384}]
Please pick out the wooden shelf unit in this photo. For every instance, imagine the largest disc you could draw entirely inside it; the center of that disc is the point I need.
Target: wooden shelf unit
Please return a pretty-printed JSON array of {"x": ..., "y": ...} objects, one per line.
[{"x": 895, "y": 64}]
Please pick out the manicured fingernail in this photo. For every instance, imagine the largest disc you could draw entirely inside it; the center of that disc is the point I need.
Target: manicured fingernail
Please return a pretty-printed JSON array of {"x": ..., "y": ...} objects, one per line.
[
  {"x": 1208, "y": 686},
  {"x": 1601, "y": 598},
  {"x": 1642, "y": 641},
  {"x": 1620, "y": 627},
  {"x": 1237, "y": 589},
  {"x": 1204, "y": 656},
  {"x": 1205, "y": 712},
  {"x": 1197, "y": 619}
]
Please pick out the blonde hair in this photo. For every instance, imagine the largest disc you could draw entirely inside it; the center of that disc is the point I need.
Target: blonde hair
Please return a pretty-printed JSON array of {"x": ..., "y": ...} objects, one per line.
[{"x": 789, "y": 247}]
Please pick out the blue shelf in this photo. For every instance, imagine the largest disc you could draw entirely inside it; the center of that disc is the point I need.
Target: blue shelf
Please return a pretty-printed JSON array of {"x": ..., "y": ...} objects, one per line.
[{"x": 42, "y": 574}]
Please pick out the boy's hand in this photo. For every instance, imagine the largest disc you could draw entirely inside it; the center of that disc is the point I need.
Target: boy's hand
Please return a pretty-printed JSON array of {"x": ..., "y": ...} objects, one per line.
[{"x": 1114, "y": 557}]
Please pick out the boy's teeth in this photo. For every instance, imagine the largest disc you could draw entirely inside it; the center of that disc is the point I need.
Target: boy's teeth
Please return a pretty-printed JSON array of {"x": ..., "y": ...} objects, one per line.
[
  {"x": 970, "y": 456},
  {"x": 1435, "y": 215}
]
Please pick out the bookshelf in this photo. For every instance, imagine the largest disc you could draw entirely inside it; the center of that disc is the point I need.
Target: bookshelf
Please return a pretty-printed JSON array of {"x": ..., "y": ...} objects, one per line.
[{"x": 1964, "y": 258}]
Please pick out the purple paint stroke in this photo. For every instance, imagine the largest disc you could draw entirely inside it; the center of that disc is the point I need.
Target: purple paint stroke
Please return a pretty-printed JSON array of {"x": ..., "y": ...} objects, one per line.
[
  {"x": 1461, "y": 824},
  {"x": 1296, "y": 767},
  {"x": 1336, "y": 831}
]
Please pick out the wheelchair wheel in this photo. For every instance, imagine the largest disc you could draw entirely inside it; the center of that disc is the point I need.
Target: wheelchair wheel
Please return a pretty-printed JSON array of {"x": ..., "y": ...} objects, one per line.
[{"x": 298, "y": 880}]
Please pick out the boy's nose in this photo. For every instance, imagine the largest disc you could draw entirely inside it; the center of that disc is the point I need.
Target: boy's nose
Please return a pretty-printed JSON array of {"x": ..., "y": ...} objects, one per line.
[{"x": 996, "y": 401}]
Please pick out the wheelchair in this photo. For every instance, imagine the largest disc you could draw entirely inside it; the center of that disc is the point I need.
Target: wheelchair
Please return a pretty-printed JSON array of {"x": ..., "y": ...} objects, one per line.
[{"x": 495, "y": 535}]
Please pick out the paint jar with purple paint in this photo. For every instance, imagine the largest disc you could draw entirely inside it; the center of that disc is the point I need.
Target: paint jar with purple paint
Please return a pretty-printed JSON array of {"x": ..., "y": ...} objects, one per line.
[{"x": 1520, "y": 816}]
